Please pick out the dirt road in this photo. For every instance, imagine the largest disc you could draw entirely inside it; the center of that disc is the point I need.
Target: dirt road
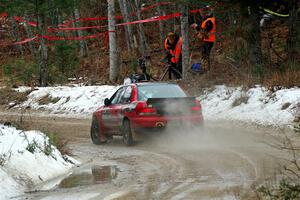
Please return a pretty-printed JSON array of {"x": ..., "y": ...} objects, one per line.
[{"x": 220, "y": 161}]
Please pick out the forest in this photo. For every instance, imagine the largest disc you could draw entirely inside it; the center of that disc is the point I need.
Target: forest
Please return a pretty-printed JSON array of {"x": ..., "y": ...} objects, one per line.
[{"x": 49, "y": 42}]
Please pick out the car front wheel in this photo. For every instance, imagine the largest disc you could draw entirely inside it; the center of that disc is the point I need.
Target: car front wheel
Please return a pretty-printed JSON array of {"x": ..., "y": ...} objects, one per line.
[
  {"x": 127, "y": 133},
  {"x": 95, "y": 131}
]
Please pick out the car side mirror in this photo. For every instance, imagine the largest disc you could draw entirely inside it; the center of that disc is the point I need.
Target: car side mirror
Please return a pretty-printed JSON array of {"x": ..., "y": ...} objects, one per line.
[{"x": 107, "y": 102}]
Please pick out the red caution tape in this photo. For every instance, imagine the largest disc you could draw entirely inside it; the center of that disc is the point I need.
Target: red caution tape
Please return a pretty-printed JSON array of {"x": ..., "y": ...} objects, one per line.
[
  {"x": 116, "y": 17},
  {"x": 34, "y": 24},
  {"x": 199, "y": 10},
  {"x": 4, "y": 14},
  {"x": 75, "y": 28},
  {"x": 55, "y": 38},
  {"x": 83, "y": 19},
  {"x": 152, "y": 19},
  {"x": 20, "y": 19},
  {"x": 26, "y": 40}
]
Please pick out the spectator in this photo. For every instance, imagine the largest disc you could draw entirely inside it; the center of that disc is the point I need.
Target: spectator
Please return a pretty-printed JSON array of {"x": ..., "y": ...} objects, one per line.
[
  {"x": 207, "y": 31},
  {"x": 173, "y": 46}
]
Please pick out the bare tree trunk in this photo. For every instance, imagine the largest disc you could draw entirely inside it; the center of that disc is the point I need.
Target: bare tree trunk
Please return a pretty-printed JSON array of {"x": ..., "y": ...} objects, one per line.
[
  {"x": 128, "y": 28},
  {"x": 143, "y": 42},
  {"x": 29, "y": 35},
  {"x": 53, "y": 12},
  {"x": 113, "y": 53},
  {"x": 15, "y": 34},
  {"x": 292, "y": 35},
  {"x": 161, "y": 25},
  {"x": 254, "y": 39},
  {"x": 130, "y": 8},
  {"x": 43, "y": 54},
  {"x": 82, "y": 43},
  {"x": 185, "y": 39}
]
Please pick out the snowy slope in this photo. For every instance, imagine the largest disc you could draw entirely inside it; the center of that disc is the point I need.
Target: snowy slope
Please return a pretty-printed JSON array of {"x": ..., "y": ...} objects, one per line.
[
  {"x": 27, "y": 158},
  {"x": 8, "y": 186},
  {"x": 71, "y": 100},
  {"x": 254, "y": 105}
]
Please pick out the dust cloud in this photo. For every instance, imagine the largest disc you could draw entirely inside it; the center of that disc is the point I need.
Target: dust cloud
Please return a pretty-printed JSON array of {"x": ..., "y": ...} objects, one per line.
[{"x": 186, "y": 135}]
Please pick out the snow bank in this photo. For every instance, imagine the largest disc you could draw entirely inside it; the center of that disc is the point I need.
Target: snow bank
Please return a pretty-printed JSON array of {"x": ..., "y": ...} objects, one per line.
[
  {"x": 26, "y": 159},
  {"x": 8, "y": 186},
  {"x": 255, "y": 105},
  {"x": 70, "y": 100}
]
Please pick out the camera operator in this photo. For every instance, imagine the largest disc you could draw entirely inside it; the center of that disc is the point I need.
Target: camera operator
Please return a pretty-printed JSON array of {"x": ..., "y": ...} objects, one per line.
[{"x": 173, "y": 47}]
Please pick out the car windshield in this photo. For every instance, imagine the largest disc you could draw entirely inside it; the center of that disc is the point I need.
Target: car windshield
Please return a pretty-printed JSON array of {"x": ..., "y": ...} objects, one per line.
[{"x": 159, "y": 91}]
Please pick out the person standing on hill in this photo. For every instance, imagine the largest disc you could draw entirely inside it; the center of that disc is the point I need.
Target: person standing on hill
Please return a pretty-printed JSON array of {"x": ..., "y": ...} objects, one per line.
[
  {"x": 173, "y": 46},
  {"x": 207, "y": 32}
]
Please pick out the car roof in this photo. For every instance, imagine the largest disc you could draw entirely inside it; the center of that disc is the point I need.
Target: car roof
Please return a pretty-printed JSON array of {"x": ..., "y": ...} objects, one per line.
[{"x": 154, "y": 83}]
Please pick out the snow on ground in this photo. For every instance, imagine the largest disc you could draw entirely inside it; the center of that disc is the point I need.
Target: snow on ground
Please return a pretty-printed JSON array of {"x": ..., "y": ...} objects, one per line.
[
  {"x": 254, "y": 105},
  {"x": 8, "y": 186},
  {"x": 26, "y": 159},
  {"x": 70, "y": 100}
]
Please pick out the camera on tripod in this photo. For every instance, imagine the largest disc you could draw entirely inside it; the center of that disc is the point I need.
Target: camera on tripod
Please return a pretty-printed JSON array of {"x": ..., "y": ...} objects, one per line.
[
  {"x": 142, "y": 64},
  {"x": 167, "y": 58},
  {"x": 140, "y": 77}
]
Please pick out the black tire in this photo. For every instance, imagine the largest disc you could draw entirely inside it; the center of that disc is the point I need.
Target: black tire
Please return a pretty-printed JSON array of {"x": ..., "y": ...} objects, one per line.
[
  {"x": 95, "y": 131},
  {"x": 127, "y": 133},
  {"x": 109, "y": 137}
]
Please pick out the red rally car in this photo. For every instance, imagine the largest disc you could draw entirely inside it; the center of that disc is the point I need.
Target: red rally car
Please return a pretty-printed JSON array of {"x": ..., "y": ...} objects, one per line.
[{"x": 143, "y": 105}]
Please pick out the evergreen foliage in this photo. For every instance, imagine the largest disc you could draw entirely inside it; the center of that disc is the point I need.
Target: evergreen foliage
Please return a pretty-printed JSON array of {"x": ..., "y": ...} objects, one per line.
[{"x": 20, "y": 71}]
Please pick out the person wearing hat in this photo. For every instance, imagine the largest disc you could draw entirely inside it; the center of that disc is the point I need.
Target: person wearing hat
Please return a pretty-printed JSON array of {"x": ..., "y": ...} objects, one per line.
[
  {"x": 208, "y": 26},
  {"x": 173, "y": 46}
]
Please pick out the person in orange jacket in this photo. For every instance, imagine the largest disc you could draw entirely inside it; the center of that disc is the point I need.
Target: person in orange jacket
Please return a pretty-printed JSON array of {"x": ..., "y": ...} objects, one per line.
[
  {"x": 208, "y": 25},
  {"x": 173, "y": 46}
]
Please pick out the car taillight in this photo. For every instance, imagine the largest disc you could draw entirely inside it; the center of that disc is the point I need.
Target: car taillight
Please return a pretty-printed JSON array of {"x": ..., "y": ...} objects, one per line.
[
  {"x": 197, "y": 106},
  {"x": 143, "y": 109}
]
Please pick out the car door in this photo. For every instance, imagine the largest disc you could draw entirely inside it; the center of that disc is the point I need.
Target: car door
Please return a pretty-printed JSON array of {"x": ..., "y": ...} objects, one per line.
[
  {"x": 111, "y": 113},
  {"x": 118, "y": 110},
  {"x": 125, "y": 102}
]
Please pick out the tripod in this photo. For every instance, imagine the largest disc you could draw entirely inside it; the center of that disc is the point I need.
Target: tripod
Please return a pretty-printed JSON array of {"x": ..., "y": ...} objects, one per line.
[{"x": 170, "y": 69}]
